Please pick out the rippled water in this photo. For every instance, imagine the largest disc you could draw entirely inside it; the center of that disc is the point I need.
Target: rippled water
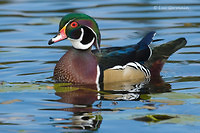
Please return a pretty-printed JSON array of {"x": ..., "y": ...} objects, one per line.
[{"x": 30, "y": 102}]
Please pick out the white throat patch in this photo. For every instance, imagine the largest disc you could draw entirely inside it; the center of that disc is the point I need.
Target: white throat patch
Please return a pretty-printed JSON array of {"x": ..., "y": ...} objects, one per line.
[{"x": 76, "y": 43}]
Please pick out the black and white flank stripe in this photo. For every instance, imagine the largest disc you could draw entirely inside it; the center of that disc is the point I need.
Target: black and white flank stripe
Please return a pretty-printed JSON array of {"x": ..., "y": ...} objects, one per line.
[{"x": 136, "y": 66}]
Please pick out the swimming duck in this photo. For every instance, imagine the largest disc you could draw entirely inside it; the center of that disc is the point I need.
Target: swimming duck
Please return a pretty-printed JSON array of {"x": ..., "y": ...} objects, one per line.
[{"x": 82, "y": 65}]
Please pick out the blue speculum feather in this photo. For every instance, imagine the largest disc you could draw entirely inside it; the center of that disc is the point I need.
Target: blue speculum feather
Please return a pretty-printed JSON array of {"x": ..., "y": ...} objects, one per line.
[
  {"x": 142, "y": 45},
  {"x": 124, "y": 51}
]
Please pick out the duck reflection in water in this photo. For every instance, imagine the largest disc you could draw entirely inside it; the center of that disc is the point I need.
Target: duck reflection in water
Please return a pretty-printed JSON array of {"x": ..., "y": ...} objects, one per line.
[
  {"x": 81, "y": 98},
  {"x": 85, "y": 114}
]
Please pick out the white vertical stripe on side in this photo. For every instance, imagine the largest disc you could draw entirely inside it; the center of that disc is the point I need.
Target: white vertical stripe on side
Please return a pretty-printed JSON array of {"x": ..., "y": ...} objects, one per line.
[{"x": 98, "y": 74}]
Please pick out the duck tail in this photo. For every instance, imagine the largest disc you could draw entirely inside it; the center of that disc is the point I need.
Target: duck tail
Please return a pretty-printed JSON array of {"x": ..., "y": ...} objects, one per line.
[{"x": 161, "y": 53}]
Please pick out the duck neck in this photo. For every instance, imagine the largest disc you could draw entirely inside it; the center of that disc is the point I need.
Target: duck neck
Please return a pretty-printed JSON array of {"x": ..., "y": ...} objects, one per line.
[{"x": 82, "y": 50}]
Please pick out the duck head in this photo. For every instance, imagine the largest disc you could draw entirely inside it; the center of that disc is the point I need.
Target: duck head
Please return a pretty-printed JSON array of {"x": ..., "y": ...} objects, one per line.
[{"x": 81, "y": 29}]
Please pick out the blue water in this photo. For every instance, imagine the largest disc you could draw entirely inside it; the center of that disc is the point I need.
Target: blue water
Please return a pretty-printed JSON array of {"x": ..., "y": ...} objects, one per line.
[{"x": 30, "y": 102}]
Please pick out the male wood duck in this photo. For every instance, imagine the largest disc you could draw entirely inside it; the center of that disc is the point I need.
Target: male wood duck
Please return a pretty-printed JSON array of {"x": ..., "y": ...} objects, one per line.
[{"x": 81, "y": 65}]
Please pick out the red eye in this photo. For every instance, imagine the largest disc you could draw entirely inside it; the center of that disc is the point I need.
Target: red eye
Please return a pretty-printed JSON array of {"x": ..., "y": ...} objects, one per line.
[{"x": 74, "y": 24}]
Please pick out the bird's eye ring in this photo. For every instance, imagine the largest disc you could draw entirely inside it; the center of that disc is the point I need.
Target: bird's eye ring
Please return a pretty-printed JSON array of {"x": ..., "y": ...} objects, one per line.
[{"x": 74, "y": 24}]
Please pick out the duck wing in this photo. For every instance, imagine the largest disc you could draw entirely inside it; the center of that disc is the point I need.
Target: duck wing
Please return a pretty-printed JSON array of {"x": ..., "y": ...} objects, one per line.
[{"x": 140, "y": 52}]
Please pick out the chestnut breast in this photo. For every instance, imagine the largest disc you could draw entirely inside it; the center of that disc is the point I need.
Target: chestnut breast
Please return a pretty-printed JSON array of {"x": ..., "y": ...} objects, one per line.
[{"x": 77, "y": 66}]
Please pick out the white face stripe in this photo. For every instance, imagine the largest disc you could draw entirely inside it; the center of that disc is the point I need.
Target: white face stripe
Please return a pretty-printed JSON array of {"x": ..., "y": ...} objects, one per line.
[
  {"x": 94, "y": 34},
  {"x": 69, "y": 22},
  {"x": 76, "y": 43}
]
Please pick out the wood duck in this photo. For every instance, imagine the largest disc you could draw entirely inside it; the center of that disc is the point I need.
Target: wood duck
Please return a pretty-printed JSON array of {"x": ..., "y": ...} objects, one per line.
[{"x": 81, "y": 65}]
